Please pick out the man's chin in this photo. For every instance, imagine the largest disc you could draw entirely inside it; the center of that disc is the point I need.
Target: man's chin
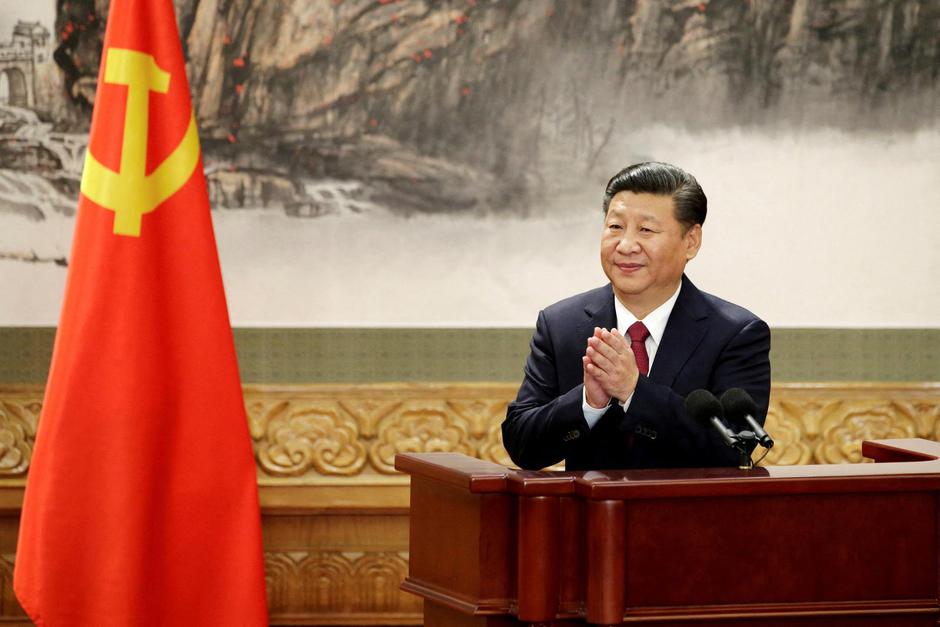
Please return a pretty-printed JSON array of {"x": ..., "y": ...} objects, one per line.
[{"x": 630, "y": 288}]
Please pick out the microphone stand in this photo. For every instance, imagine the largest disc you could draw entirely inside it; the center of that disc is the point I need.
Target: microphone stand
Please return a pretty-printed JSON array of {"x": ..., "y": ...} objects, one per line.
[{"x": 742, "y": 439}]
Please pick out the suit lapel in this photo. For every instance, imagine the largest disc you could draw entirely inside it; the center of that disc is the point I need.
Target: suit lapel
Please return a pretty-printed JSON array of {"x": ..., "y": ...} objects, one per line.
[
  {"x": 600, "y": 312},
  {"x": 684, "y": 331}
]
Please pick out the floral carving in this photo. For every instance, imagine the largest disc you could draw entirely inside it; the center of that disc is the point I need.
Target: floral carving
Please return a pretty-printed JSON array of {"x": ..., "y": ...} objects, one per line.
[
  {"x": 297, "y": 439},
  {"x": 313, "y": 431},
  {"x": 421, "y": 430},
  {"x": 926, "y": 415},
  {"x": 809, "y": 413},
  {"x": 790, "y": 446},
  {"x": 368, "y": 412},
  {"x": 492, "y": 448},
  {"x": 17, "y": 434},
  {"x": 844, "y": 432},
  {"x": 480, "y": 414},
  {"x": 258, "y": 414}
]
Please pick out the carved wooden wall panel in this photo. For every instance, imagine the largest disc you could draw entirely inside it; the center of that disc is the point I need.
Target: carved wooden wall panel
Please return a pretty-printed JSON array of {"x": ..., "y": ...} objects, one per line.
[
  {"x": 19, "y": 415},
  {"x": 326, "y": 565},
  {"x": 825, "y": 424},
  {"x": 329, "y": 432},
  {"x": 335, "y": 514},
  {"x": 363, "y": 427},
  {"x": 324, "y": 585},
  {"x": 350, "y": 433}
]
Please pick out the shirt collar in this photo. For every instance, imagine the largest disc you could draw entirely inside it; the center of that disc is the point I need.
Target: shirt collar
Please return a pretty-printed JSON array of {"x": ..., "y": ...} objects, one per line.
[{"x": 655, "y": 321}]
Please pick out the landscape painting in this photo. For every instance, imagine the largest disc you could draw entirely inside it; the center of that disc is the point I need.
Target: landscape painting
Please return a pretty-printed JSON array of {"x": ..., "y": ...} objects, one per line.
[{"x": 419, "y": 163}]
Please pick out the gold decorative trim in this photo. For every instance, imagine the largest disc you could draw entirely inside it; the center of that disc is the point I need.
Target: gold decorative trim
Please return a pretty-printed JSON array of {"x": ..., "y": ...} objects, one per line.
[
  {"x": 349, "y": 434},
  {"x": 316, "y": 433},
  {"x": 304, "y": 438},
  {"x": 18, "y": 420},
  {"x": 818, "y": 423}
]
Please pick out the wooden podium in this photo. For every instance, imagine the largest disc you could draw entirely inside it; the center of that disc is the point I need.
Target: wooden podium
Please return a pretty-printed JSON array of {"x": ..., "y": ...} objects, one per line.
[{"x": 834, "y": 545}]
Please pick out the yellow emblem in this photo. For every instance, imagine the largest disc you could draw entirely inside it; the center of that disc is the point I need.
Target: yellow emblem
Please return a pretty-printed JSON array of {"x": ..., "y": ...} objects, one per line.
[{"x": 131, "y": 192}]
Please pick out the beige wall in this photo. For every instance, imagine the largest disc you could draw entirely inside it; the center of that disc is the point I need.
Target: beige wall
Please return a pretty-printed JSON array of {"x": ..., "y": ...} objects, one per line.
[{"x": 818, "y": 229}]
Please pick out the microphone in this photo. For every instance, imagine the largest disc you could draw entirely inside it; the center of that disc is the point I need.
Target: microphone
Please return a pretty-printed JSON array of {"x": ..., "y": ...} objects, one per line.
[
  {"x": 740, "y": 408},
  {"x": 703, "y": 407}
]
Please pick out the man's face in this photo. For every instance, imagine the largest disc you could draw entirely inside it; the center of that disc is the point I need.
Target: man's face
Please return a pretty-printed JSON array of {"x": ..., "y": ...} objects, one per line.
[{"x": 644, "y": 249}]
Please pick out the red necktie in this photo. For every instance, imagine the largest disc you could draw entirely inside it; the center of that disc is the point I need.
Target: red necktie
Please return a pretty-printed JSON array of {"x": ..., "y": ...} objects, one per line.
[{"x": 638, "y": 334}]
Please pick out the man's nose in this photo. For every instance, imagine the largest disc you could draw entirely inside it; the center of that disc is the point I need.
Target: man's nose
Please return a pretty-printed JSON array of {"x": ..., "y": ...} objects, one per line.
[{"x": 628, "y": 243}]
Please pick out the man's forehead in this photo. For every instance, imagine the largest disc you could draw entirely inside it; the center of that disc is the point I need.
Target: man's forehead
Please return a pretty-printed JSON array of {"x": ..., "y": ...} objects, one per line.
[{"x": 655, "y": 206}]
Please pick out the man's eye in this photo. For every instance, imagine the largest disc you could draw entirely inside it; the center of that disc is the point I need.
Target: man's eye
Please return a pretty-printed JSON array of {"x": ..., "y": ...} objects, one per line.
[
  {"x": 614, "y": 227},
  {"x": 645, "y": 229}
]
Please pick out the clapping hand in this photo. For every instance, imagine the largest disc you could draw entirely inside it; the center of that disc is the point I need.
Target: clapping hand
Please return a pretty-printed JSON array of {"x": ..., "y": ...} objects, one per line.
[{"x": 610, "y": 368}]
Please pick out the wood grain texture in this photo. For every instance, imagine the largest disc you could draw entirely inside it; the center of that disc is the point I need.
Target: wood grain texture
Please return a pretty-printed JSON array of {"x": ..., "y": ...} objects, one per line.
[{"x": 815, "y": 546}]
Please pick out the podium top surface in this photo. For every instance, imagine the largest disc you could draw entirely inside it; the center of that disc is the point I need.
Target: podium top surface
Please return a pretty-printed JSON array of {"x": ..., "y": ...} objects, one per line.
[{"x": 902, "y": 465}]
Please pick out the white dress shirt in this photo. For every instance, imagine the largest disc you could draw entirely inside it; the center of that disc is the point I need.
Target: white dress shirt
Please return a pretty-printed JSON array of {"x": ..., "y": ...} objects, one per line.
[{"x": 655, "y": 323}]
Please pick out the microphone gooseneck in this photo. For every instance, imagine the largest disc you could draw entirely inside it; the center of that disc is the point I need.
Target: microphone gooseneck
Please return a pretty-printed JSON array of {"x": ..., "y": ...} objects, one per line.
[
  {"x": 742, "y": 411},
  {"x": 704, "y": 408}
]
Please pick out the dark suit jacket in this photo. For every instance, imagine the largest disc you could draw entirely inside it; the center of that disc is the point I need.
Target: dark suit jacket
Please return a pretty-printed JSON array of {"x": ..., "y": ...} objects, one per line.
[{"x": 708, "y": 344}]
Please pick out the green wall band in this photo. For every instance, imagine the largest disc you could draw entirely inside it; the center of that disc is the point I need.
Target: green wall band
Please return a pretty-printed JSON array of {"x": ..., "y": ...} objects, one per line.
[{"x": 318, "y": 355}]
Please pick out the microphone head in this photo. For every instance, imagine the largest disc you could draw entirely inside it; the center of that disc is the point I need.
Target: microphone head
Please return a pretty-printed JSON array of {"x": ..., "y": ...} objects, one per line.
[
  {"x": 737, "y": 404},
  {"x": 701, "y": 405}
]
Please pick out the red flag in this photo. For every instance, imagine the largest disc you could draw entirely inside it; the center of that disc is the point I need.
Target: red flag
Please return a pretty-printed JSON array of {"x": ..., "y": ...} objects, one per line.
[{"x": 141, "y": 506}]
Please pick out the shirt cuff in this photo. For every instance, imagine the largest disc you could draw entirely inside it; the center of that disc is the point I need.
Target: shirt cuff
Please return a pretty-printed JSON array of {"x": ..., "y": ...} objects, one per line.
[
  {"x": 591, "y": 414},
  {"x": 626, "y": 403}
]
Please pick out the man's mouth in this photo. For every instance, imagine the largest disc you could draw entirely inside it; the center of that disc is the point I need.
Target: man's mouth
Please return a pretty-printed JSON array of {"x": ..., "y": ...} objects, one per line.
[{"x": 629, "y": 267}]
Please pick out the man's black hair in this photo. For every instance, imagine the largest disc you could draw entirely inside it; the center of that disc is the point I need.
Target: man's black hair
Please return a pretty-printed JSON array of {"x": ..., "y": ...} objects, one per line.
[{"x": 662, "y": 179}]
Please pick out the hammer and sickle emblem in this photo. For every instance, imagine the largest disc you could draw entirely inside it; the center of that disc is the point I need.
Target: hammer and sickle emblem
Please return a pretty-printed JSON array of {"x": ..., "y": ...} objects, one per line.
[{"x": 131, "y": 192}]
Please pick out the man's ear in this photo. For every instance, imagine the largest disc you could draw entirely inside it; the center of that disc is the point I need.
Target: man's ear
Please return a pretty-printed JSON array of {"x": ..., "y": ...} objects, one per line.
[{"x": 693, "y": 241}]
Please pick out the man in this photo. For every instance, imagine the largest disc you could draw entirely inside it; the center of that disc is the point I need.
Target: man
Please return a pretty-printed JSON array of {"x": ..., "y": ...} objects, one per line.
[{"x": 609, "y": 369}]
